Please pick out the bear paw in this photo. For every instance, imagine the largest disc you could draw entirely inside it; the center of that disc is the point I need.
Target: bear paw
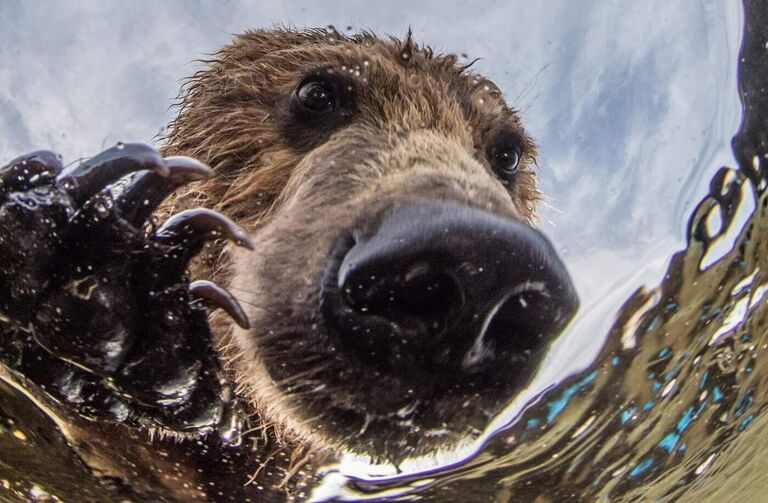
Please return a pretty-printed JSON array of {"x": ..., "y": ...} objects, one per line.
[{"x": 96, "y": 305}]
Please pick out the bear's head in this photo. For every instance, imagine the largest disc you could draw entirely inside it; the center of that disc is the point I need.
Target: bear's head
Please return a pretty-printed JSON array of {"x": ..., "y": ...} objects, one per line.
[{"x": 398, "y": 294}]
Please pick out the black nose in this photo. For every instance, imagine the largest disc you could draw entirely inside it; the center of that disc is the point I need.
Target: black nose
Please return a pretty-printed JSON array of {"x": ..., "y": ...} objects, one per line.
[{"x": 447, "y": 288}]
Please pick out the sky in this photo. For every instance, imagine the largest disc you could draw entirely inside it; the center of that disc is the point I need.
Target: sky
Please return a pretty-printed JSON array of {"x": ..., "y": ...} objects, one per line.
[{"x": 633, "y": 104}]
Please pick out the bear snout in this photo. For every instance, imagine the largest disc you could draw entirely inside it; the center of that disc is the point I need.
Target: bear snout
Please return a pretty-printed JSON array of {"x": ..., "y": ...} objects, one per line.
[{"x": 447, "y": 289}]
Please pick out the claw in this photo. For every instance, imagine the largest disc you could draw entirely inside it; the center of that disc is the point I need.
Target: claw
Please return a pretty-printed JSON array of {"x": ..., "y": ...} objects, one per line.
[
  {"x": 182, "y": 237},
  {"x": 220, "y": 297},
  {"x": 192, "y": 227},
  {"x": 30, "y": 170},
  {"x": 183, "y": 170},
  {"x": 90, "y": 177},
  {"x": 147, "y": 190}
]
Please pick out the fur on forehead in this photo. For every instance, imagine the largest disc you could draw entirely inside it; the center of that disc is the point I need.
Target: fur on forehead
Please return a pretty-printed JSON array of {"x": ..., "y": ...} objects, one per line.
[
  {"x": 253, "y": 45},
  {"x": 225, "y": 118}
]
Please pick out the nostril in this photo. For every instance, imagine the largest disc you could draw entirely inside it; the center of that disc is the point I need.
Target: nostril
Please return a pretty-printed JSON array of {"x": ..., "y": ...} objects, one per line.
[
  {"x": 522, "y": 322},
  {"x": 415, "y": 295}
]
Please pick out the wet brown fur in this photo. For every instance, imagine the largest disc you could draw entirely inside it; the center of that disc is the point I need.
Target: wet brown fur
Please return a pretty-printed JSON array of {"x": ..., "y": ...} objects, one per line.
[{"x": 419, "y": 130}]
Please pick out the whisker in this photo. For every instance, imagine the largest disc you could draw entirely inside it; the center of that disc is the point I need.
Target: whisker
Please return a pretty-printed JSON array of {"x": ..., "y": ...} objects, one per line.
[
  {"x": 263, "y": 465},
  {"x": 246, "y": 432},
  {"x": 230, "y": 287},
  {"x": 300, "y": 375},
  {"x": 295, "y": 469},
  {"x": 250, "y": 303}
]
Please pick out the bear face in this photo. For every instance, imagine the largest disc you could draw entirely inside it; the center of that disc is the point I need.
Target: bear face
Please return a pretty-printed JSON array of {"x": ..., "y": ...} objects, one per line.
[{"x": 398, "y": 294}]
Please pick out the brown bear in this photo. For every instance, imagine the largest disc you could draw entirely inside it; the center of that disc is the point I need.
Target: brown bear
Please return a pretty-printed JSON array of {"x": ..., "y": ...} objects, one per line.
[
  {"x": 390, "y": 159},
  {"x": 398, "y": 294}
]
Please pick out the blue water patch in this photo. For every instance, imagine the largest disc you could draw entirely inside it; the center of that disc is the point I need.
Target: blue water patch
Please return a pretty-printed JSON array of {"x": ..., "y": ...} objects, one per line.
[
  {"x": 557, "y": 406},
  {"x": 652, "y": 324},
  {"x": 685, "y": 421},
  {"x": 669, "y": 442},
  {"x": 671, "y": 439},
  {"x": 641, "y": 467},
  {"x": 704, "y": 379},
  {"x": 615, "y": 361},
  {"x": 672, "y": 373},
  {"x": 707, "y": 317},
  {"x": 648, "y": 405},
  {"x": 717, "y": 394},
  {"x": 656, "y": 385},
  {"x": 746, "y": 421},
  {"x": 627, "y": 414},
  {"x": 533, "y": 423}
]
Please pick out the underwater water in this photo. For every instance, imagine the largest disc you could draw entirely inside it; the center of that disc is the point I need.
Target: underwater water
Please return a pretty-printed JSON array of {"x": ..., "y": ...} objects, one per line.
[{"x": 656, "y": 391}]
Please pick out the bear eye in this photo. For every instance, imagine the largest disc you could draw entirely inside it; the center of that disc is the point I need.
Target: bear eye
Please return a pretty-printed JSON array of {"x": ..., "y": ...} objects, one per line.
[
  {"x": 323, "y": 101},
  {"x": 317, "y": 95},
  {"x": 505, "y": 161}
]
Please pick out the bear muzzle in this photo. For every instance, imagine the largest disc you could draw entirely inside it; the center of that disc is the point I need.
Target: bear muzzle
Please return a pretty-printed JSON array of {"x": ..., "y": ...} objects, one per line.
[{"x": 447, "y": 290}]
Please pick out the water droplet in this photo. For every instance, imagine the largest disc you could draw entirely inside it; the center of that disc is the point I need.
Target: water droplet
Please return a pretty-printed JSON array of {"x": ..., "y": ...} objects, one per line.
[{"x": 102, "y": 210}]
